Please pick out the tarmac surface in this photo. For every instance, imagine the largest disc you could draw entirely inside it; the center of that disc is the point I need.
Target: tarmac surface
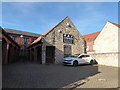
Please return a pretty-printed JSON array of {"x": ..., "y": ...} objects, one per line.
[{"x": 35, "y": 75}]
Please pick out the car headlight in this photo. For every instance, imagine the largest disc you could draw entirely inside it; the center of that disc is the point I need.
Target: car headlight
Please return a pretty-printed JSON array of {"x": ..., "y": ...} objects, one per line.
[{"x": 68, "y": 60}]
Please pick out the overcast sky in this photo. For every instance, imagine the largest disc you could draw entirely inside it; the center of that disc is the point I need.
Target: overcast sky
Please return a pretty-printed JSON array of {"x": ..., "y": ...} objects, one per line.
[{"x": 38, "y": 17}]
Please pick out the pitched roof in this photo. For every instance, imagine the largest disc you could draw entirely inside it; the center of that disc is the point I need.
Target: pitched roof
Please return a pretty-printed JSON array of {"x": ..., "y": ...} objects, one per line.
[
  {"x": 39, "y": 38},
  {"x": 91, "y": 36},
  {"x": 21, "y": 32},
  {"x": 8, "y": 37},
  {"x": 115, "y": 24}
]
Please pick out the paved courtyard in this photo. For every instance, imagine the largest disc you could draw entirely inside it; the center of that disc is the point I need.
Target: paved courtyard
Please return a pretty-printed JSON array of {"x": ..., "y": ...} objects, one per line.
[{"x": 35, "y": 75}]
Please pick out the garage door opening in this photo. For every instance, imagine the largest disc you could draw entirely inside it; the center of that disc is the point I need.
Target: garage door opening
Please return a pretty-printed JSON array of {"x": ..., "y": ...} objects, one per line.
[
  {"x": 67, "y": 50},
  {"x": 39, "y": 54},
  {"x": 50, "y": 54}
]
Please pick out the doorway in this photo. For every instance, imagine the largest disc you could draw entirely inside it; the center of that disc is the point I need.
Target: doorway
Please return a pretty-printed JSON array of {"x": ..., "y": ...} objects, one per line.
[
  {"x": 39, "y": 54},
  {"x": 67, "y": 50},
  {"x": 50, "y": 54}
]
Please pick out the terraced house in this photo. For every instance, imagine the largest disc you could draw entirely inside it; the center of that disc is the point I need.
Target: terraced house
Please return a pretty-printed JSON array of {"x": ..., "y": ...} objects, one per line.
[{"x": 24, "y": 39}]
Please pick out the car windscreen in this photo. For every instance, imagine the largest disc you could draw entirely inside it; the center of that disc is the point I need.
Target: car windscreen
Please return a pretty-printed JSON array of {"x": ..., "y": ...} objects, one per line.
[
  {"x": 82, "y": 56},
  {"x": 75, "y": 55}
]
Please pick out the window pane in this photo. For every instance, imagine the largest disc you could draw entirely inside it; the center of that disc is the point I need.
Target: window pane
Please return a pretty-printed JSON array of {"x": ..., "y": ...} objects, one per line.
[{"x": 14, "y": 38}]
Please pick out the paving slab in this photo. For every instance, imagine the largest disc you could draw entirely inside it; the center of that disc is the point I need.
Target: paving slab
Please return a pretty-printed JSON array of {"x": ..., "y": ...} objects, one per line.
[{"x": 106, "y": 78}]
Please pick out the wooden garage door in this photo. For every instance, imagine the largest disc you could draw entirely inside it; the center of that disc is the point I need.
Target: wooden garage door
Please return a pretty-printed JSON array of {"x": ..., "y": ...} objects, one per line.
[{"x": 50, "y": 54}]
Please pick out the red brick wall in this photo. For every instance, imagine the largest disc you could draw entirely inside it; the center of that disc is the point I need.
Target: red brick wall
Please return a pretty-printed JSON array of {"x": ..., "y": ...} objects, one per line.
[
  {"x": 20, "y": 40},
  {"x": 90, "y": 46}
]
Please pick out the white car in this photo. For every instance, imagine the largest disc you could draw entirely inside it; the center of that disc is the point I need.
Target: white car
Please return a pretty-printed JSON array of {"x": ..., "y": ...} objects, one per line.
[{"x": 79, "y": 59}]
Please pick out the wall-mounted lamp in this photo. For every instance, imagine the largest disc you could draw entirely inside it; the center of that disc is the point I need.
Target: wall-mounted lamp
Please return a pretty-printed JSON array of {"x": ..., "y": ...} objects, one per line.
[
  {"x": 59, "y": 31},
  {"x": 68, "y": 25},
  {"x": 21, "y": 36}
]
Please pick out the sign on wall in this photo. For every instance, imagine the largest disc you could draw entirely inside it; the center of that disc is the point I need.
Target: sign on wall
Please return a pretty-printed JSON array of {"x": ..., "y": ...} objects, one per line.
[{"x": 67, "y": 38}]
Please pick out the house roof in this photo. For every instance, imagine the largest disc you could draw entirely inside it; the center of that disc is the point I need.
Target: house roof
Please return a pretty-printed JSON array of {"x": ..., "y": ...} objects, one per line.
[
  {"x": 91, "y": 36},
  {"x": 21, "y": 32},
  {"x": 115, "y": 24},
  {"x": 40, "y": 37},
  {"x": 8, "y": 37}
]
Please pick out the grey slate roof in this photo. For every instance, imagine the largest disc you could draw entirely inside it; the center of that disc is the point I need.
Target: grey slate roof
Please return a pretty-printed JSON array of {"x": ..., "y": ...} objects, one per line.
[{"x": 21, "y": 32}]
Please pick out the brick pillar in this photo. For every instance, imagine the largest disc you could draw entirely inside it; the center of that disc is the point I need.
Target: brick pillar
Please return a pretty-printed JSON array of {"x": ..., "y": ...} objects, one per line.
[{"x": 43, "y": 54}]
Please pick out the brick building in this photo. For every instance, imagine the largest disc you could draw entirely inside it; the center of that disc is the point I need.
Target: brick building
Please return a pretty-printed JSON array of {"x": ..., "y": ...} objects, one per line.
[
  {"x": 90, "y": 38},
  {"x": 61, "y": 40},
  {"x": 23, "y": 38},
  {"x": 10, "y": 49}
]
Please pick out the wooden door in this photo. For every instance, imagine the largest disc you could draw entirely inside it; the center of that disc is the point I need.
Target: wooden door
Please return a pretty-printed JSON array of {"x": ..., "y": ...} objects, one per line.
[{"x": 50, "y": 54}]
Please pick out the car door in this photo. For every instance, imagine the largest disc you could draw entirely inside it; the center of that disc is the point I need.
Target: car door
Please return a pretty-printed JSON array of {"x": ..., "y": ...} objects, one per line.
[
  {"x": 86, "y": 59},
  {"x": 82, "y": 59}
]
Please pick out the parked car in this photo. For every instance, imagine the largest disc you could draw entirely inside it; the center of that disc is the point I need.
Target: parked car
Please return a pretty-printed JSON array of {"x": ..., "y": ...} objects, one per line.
[{"x": 79, "y": 59}]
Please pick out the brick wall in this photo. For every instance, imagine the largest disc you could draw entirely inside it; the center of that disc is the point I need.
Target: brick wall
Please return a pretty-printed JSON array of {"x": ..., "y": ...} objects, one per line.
[
  {"x": 20, "y": 40},
  {"x": 90, "y": 46}
]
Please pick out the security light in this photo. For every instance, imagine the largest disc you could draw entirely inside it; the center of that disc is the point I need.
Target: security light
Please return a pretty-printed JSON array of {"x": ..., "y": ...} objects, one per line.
[
  {"x": 21, "y": 35},
  {"x": 59, "y": 31},
  {"x": 68, "y": 24}
]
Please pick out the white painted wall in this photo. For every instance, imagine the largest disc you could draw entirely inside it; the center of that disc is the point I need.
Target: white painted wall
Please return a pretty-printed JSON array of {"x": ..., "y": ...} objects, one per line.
[
  {"x": 109, "y": 59},
  {"x": 106, "y": 46},
  {"x": 107, "y": 40}
]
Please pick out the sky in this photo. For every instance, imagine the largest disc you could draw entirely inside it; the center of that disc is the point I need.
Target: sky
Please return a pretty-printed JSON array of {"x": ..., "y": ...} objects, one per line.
[{"x": 39, "y": 17}]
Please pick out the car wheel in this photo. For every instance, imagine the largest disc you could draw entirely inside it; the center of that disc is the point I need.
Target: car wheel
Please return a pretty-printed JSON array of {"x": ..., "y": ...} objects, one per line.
[
  {"x": 95, "y": 62},
  {"x": 75, "y": 63},
  {"x": 91, "y": 62}
]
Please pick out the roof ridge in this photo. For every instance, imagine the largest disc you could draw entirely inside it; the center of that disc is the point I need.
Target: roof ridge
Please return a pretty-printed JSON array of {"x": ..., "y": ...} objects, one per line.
[
  {"x": 91, "y": 37},
  {"x": 91, "y": 33},
  {"x": 54, "y": 26},
  {"x": 114, "y": 24},
  {"x": 44, "y": 34},
  {"x": 19, "y": 30}
]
